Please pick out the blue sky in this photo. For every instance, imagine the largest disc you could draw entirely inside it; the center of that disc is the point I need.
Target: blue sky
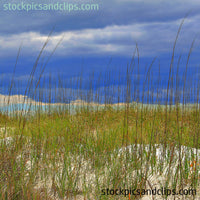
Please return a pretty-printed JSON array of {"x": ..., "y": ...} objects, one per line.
[{"x": 92, "y": 38}]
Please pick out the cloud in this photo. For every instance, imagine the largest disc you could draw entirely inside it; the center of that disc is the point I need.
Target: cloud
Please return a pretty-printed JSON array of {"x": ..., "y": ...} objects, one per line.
[
  {"x": 153, "y": 38},
  {"x": 112, "y": 12}
]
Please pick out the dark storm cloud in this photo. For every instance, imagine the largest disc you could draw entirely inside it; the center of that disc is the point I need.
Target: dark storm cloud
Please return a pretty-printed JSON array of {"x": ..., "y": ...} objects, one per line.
[{"x": 112, "y": 12}]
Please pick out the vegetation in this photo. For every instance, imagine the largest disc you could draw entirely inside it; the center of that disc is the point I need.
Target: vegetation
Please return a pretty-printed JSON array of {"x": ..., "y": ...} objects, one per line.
[{"x": 60, "y": 154}]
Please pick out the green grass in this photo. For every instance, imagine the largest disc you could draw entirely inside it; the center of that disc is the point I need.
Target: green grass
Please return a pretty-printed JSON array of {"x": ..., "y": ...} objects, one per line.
[{"x": 57, "y": 145}]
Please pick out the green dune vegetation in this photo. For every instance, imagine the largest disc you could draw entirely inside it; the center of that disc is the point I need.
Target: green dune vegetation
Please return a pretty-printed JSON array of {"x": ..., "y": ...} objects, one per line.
[{"x": 103, "y": 151}]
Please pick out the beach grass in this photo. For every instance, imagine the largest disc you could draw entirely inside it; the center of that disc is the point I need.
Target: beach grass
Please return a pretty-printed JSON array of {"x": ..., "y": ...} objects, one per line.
[{"x": 137, "y": 143}]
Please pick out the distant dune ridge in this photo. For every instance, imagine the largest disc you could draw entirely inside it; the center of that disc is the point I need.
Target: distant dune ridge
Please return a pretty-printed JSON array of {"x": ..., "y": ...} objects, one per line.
[
  {"x": 14, "y": 99},
  {"x": 17, "y": 99},
  {"x": 21, "y": 99}
]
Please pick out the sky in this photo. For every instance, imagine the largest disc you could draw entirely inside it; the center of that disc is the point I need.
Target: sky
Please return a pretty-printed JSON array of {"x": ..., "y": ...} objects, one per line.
[{"x": 93, "y": 40}]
